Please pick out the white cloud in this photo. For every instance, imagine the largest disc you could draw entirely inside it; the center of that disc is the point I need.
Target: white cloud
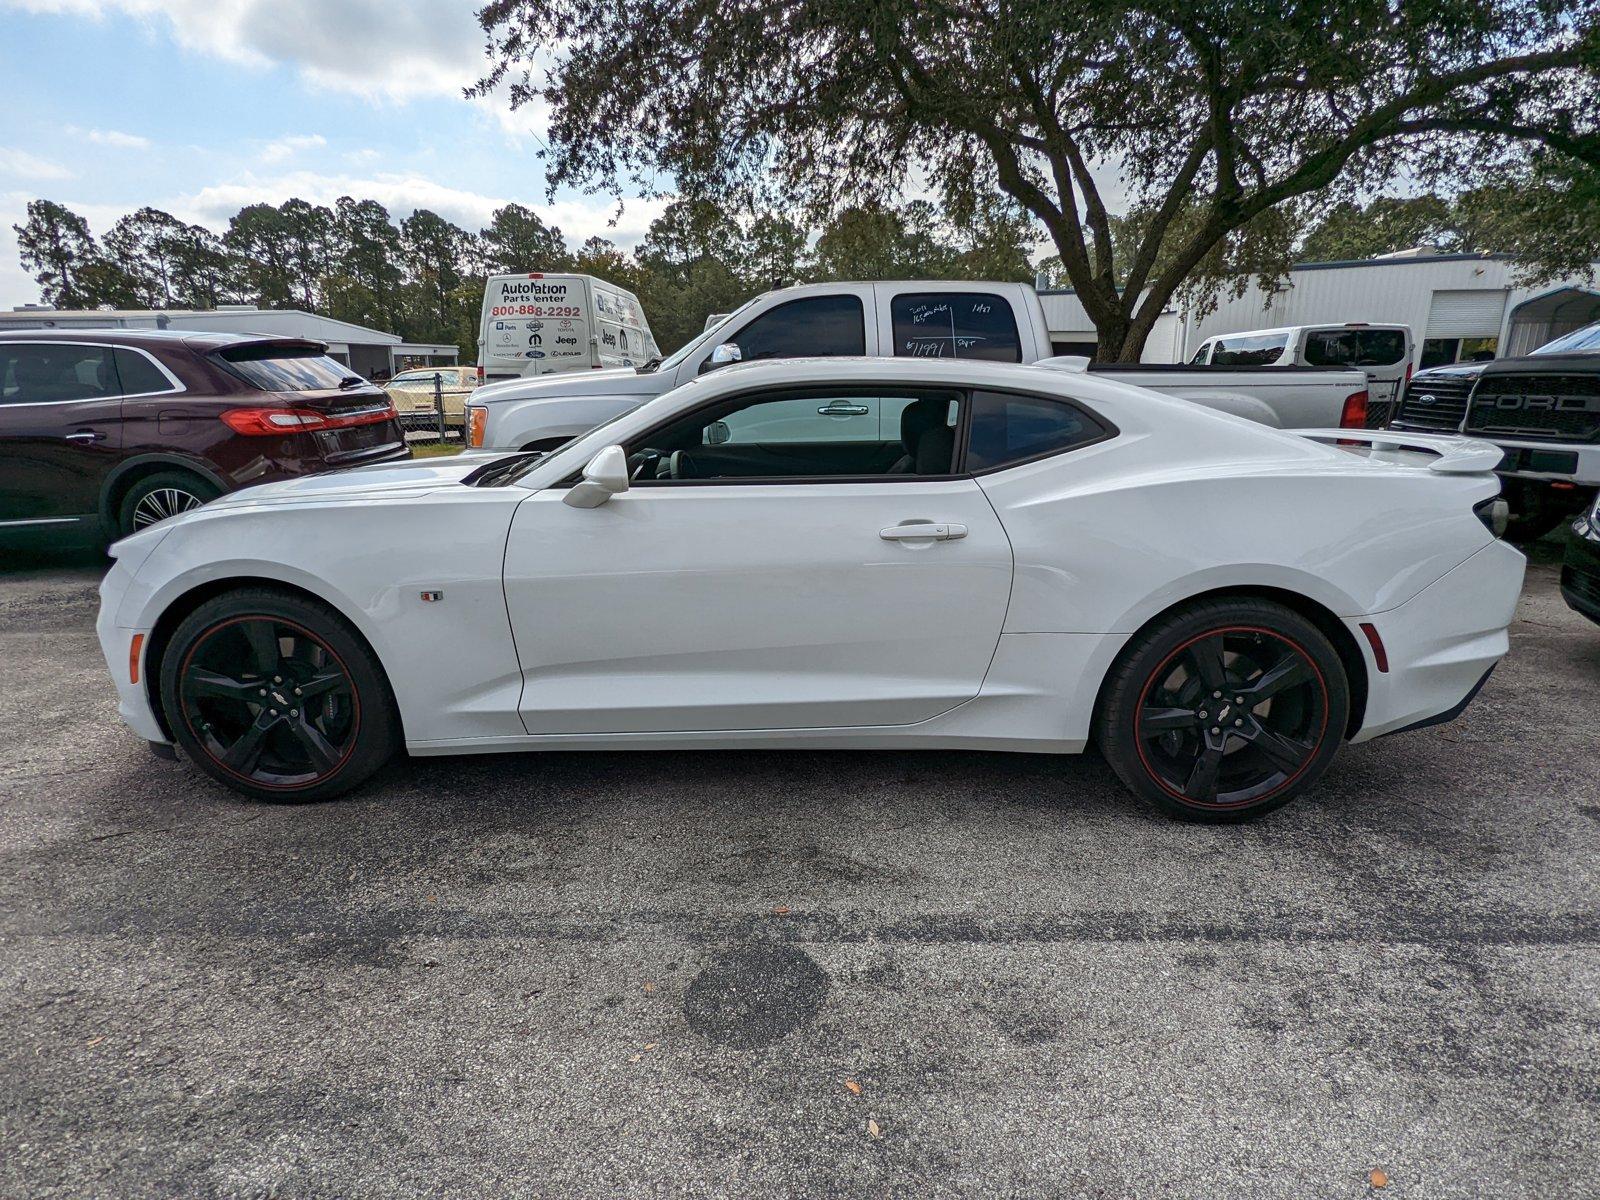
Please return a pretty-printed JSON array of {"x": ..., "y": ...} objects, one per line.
[
  {"x": 114, "y": 138},
  {"x": 380, "y": 49},
  {"x": 19, "y": 164},
  {"x": 281, "y": 149}
]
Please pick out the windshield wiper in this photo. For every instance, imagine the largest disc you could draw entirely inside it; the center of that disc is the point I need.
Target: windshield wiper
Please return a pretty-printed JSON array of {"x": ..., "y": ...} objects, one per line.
[{"x": 649, "y": 366}]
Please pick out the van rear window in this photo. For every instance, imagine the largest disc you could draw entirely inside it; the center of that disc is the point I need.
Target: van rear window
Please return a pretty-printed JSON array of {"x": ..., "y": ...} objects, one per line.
[{"x": 288, "y": 368}]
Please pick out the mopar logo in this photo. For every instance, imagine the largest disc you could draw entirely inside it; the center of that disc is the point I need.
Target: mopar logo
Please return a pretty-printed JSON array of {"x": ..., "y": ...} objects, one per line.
[{"x": 535, "y": 339}]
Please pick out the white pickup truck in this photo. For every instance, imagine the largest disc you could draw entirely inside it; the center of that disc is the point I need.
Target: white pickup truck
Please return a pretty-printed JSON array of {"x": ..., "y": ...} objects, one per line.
[{"x": 1003, "y": 322}]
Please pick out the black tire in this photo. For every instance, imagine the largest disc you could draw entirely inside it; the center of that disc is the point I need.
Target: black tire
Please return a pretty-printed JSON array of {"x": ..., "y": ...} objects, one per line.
[
  {"x": 1525, "y": 527},
  {"x": 243, "y": 721},
  {"x": 1176, "y": 732},
  {"x": 163, "y": 494}
]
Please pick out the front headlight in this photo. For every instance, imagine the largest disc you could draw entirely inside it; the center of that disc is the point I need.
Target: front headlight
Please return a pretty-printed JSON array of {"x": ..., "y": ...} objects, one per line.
[{"x": 477, "y": 424}]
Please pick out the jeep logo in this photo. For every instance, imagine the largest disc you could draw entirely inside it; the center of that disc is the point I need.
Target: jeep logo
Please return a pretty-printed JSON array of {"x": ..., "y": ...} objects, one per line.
[{"x": 566, "y": 341}]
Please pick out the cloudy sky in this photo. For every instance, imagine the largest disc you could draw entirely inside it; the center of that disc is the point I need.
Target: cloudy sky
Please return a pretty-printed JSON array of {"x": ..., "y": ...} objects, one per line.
[{"x": 202, "y": 106}]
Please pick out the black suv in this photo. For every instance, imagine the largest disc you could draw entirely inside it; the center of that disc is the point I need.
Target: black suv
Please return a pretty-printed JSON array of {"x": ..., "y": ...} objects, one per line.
[{"x": 103, "y": 432}]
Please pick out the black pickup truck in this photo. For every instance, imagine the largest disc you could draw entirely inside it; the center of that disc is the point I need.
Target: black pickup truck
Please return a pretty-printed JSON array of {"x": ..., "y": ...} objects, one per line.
[{"x": 1543, "y": 410}]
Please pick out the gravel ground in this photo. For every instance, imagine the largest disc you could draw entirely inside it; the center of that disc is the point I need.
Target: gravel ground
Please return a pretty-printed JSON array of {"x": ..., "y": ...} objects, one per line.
[{"x": 659, "y": 974}]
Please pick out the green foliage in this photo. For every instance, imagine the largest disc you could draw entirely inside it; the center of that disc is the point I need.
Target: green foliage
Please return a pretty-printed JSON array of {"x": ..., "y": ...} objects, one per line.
[{"x": 1226, "y": 125}]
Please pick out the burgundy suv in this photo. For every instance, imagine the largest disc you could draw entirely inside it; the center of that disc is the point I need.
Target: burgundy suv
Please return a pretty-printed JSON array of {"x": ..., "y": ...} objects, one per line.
[{"x": 105, "y": 431}]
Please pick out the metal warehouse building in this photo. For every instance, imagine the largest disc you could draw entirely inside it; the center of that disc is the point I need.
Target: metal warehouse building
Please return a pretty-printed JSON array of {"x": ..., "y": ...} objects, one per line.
[
  {"x": 1457, "y": 305},
  {"x": 371, "y": 352}
]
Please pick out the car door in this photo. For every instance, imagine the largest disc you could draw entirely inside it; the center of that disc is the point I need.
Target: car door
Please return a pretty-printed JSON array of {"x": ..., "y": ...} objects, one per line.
[
  {"x": 740, "y": 585},
  {"x": 60, "y": 431},
  {"x": 948, "y": 323},
  {"x": 838, "y": 323}
]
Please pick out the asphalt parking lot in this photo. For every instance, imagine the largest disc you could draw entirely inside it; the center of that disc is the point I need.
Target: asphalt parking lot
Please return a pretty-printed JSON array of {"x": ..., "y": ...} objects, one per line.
[{"x": 658, "y": 974}]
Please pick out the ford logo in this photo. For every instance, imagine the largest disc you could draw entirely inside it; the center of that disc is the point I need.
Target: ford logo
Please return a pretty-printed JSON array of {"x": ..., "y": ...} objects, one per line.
[{"x": 1426, "y": 398}]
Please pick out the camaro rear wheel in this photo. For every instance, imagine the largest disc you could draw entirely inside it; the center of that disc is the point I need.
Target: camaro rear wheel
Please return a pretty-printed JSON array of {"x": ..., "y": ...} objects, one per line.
[
  {"x": 276, "y": 696},
  {"x": 1225, "y": 709}
]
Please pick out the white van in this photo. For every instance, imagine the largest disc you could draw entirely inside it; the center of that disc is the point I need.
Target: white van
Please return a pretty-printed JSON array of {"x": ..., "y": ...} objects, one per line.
[
  {"x": 538, "y": 324},
  {"x": 1382, "y": 351}
]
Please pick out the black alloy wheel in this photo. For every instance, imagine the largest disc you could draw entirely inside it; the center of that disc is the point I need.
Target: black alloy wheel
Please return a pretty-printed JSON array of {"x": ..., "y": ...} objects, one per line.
[
  {"x": 1219, "y": 719},
  {"x": 276, "y": 698}
]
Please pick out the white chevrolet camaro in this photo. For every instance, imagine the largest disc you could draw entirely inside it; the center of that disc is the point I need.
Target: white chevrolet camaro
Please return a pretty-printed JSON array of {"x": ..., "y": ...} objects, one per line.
[{"x": 836, "y": 553}]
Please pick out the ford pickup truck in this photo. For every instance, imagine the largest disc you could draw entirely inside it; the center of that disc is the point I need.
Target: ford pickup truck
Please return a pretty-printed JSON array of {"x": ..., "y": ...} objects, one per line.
[
  {"x": 1002, "y": 322},
  {"x": 1542, "y": 409}
]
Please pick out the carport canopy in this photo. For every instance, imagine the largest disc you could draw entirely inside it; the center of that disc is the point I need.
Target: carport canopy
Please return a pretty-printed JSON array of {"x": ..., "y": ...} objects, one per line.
[{"x": 1543, "y": 318}]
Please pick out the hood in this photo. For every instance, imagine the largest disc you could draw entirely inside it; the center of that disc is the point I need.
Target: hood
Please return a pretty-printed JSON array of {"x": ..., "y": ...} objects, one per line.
[
  {"x": 613, "y": 381},
  {"x": 405, "y": 477},
  {"x": 1466, "y": 370}
]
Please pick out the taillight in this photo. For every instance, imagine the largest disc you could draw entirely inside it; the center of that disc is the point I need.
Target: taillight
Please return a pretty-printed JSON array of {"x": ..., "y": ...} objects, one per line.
[
  {"x": 1354, "y": 415},
  {"x": 275, "y": 422},
  {"x": 477, "y": 424},
  {"x": 480, "y": 373}
]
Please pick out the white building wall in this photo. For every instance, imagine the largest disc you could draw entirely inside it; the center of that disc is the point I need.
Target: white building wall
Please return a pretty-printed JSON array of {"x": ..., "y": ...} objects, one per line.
[{"x": 1452, "y": 296}]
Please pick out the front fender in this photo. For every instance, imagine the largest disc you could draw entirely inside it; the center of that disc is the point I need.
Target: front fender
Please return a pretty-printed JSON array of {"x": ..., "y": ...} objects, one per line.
[
  {"x": 451, "y": 662},
  {"x": 513, "y": 424}
]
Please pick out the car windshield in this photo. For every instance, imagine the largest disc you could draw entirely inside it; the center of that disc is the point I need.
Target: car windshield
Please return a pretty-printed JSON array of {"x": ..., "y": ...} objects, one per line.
[{"x": 1587, "y": 338}]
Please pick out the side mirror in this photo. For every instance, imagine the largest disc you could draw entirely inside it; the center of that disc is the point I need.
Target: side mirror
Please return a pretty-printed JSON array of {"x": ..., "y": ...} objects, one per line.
[
  {"x": 717, "y": 432},
  {"x": 604, "y": 477},
  {"x": 724, "y": 354}
]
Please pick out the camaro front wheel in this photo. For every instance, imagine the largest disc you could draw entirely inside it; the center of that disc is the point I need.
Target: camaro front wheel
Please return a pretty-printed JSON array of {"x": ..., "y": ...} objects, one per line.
[
  {"x": 1225, "y": 709},
  {"x": 276, "y": 696}
]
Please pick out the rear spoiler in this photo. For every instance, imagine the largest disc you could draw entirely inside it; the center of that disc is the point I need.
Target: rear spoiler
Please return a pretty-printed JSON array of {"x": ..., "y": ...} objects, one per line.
[{"x": 1453, "y": 455}]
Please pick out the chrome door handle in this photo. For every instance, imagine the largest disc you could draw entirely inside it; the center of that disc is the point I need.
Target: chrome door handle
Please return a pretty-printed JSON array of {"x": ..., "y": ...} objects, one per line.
[
  {"x": 85, "y": 436},
  {"x": 923, "y": 531},
  {"x": 843, "y": 410}
]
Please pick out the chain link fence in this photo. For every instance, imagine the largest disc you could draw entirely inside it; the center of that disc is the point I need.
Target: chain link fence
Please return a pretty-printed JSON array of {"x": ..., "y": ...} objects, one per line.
[{"x": 432, "y": 409}]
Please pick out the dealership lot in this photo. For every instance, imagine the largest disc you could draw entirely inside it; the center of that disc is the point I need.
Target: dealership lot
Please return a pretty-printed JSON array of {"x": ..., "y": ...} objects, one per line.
[{"x": 576, "y": 975}]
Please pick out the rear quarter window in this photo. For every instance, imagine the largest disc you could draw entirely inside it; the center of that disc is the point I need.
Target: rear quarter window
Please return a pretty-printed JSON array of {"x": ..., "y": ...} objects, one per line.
[
  {"x": 954, "y": 325},
  {"x": 1008, "y": 429}
]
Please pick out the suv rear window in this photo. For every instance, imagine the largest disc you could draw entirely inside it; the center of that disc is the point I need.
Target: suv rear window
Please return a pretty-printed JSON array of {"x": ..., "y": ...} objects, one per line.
[
  {"x": 954, "y": 325},
  {"x": 1355, "y": 347},
  {"x": 288, "y": 368}
]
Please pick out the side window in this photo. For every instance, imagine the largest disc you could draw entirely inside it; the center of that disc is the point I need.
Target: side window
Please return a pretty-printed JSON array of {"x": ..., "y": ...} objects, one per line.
[
  {"x": 1355, "y": 347},
  {"x": 1008, "y": 429},
  {"x": 1257, "y": 351},
  {"x": 139, "y": 375},
  {"x": 954, "y": 325},
  {"x": 811, "y": 433},
  {"x": 814, "y": 326},
  {"x": 48, "y": 373},
  {"x": 1202, "y": 355}
]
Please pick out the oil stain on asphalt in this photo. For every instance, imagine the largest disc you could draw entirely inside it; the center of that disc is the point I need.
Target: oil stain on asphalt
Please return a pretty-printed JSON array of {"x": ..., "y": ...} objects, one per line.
[{"x": 752, "y": 996}]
